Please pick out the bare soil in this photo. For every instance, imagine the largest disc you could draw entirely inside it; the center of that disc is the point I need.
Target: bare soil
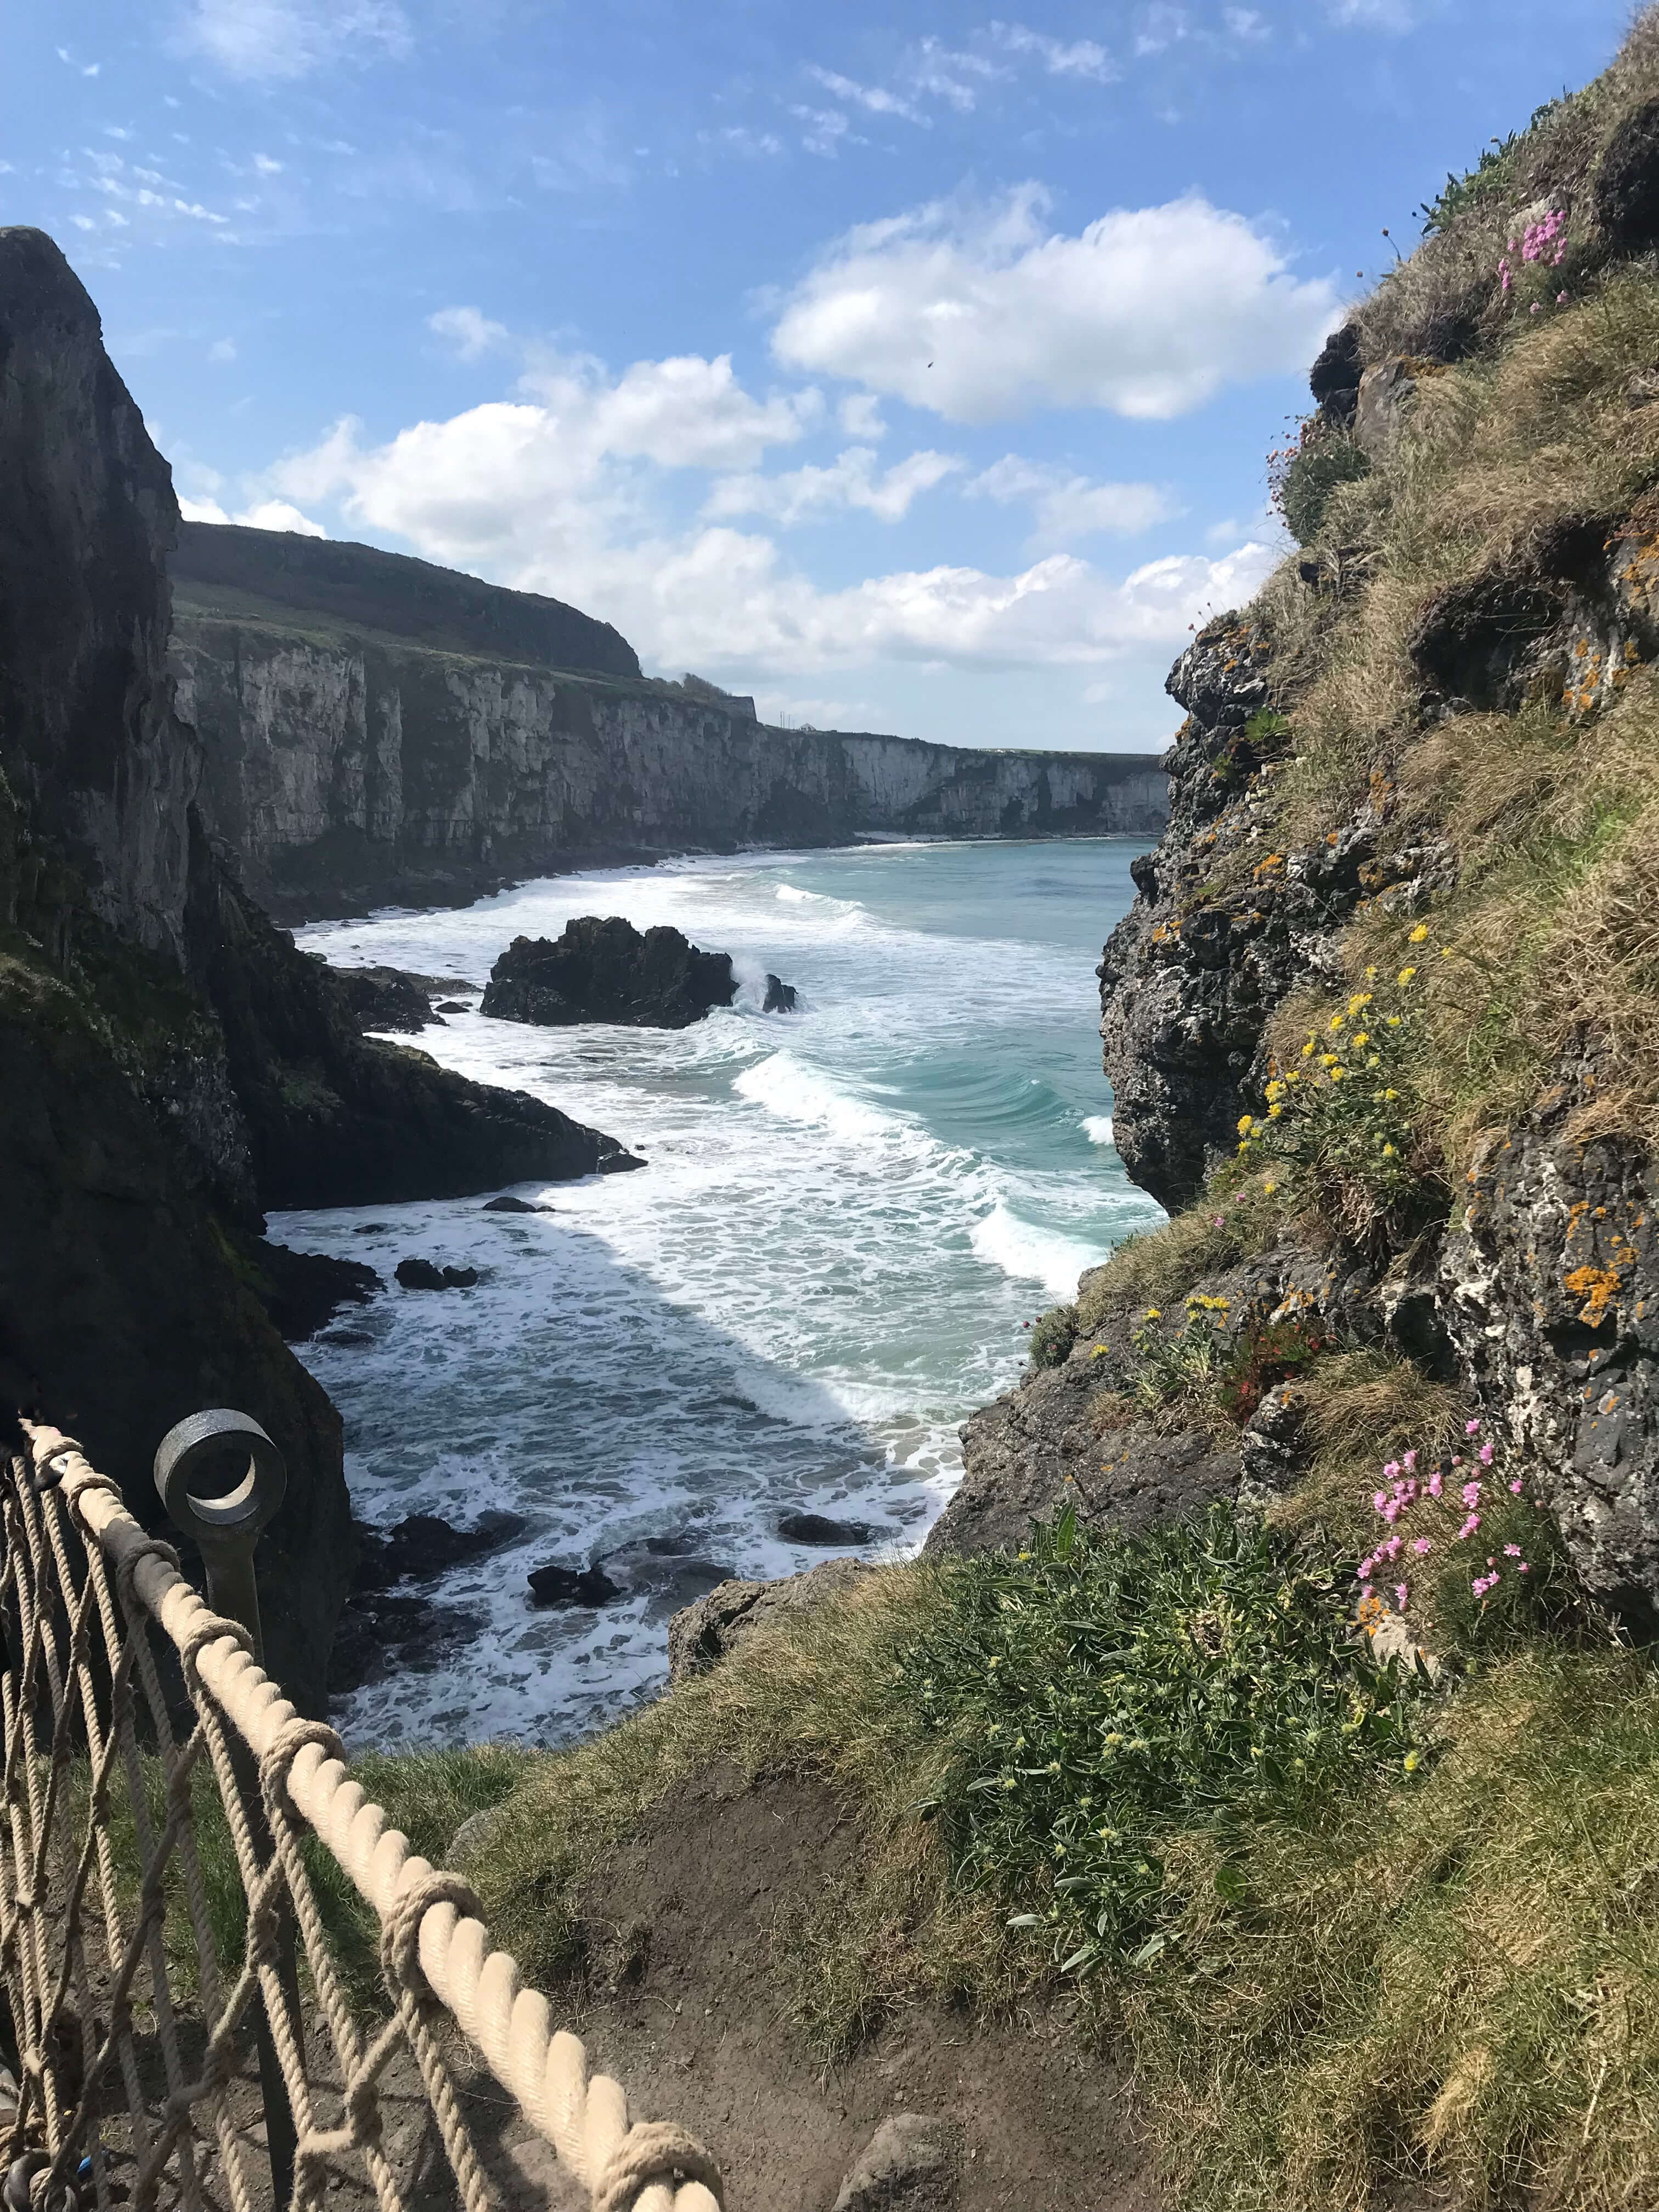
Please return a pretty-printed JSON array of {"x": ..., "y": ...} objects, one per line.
[{"x": 695, "y": 2029}]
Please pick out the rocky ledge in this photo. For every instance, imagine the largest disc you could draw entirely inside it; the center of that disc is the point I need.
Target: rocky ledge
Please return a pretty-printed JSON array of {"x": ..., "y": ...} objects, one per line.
[{"x": 602, "y": 970}]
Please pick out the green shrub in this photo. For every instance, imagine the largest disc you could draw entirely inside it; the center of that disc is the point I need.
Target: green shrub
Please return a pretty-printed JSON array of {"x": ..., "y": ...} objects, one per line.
[
  {"x": 1053, "y": 1335},
  {"x": 1109, "y": 1694}
]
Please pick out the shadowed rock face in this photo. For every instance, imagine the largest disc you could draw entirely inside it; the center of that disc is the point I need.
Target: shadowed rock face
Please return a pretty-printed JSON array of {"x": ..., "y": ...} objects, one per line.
[
  {"x": 87, "y": 520},
  {"x": 603, "y": 970}
]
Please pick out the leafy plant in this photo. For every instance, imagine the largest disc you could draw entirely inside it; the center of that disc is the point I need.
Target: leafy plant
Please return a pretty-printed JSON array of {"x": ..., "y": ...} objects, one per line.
[
  {"x": 1109, "y": 1694},
  {"x": 1488, "y": 175}
]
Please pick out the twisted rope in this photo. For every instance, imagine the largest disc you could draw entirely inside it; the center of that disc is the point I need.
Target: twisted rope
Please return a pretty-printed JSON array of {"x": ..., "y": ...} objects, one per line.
[{"x": 435, "y": 1948}]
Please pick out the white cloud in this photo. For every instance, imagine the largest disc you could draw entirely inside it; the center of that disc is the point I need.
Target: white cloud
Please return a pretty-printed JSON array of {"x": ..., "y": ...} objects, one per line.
[
  {"x": 827, "y": 129},
  {"x": 556, "y": 495},
  {"x": 984, "y": 313},
  {"x": 1247, "y": 23},
  {"x": 1065, "y": 506},
  {"x": 1076, "y": 57},
  {"x": 287, "y": 39},
  {"x": 955, "y": 77},
  {"x": 851, "y": 481},
  {"x": 1392, "y": 15},
  {"x": 874, "y": 98},
  {"x": 858, "y": 415},
  {"x": 582, "y": 157},
  {"x": 222, "y": 349},
  {"x": 469, "y": 330},
  {"x": 1162, "y": 26},
  {"x": 267, "y": 166},
  {"x": 264, "y": 514}
]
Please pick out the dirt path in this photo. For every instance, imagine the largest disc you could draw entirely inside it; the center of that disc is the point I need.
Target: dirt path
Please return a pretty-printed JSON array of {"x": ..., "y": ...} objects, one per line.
[{"x": 687, "y": 1913}]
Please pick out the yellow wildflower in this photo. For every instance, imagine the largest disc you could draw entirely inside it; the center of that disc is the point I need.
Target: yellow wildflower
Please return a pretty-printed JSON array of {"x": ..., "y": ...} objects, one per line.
[
  {"x": 1419, "y": 934},
  {"x": 1246, "y": 1123},
  {"x": 1275, "y": 1111},
  {"x": 1404, "y": 976},
  {"x": 1359, "y": 999},
  {"x": 1371, "y": 974},
  {"x": 1154, "y": 1313},
  {"x": 1388, "y": 1151},
  {"x": 1394, "y": 1021},
  {"x": 1294, "y": 1076},
  {"x": 1306, "y": 1048},
  {"x": 1337, "y": 1020},
  {"x": 1327, "y": 1059},
  {"x": 1268, "y": 1188},
  {"x": 1391, "y": 1095},
  {"x": 1361, "y": 1036},
  {"x": 1337, "y": 1074}
]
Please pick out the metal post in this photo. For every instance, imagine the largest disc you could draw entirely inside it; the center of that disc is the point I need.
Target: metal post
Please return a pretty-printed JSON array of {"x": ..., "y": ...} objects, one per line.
[{"x": 224, "y": 1518}]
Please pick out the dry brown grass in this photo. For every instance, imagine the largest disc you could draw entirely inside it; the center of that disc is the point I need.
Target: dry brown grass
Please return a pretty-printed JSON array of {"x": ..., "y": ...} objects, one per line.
[{"x": 1363, "y": 1407}]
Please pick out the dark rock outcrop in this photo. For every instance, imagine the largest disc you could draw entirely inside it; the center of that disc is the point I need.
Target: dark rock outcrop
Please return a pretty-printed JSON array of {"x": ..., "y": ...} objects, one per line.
[
  {"x": 781, "y": 998},
  {"x": 336, "y": 1119},
  {"x": 1626, "y": 193},
  {"x": 556, "y": 1585},
  {"x": 389, "y": 998},
  {"x": 602, "y": 970},
  {"x": 426, "y": 1275},
  {"x": 302, "y": 1292},
  {"x": 820, "y": 1528},
  {"x": 423, "y": 1544}
]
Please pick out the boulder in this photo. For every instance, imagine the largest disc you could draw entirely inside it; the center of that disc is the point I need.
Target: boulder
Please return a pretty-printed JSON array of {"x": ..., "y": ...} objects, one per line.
[
  {"x": 818, "y": 1529},
  {"x": 424, "y": 1275},
  {"x": 1334, "y": 378},
  {"x": 556, "y": 1585},
  {"x": 507, "y": 1204},
  {"x": 781, "y": 998},
  {"x": 912, "y": 2163},
  {"x": 603, "y": 970},
  {"x": 732, "y": 1611},
  {"x": 1386, "y": 392}
]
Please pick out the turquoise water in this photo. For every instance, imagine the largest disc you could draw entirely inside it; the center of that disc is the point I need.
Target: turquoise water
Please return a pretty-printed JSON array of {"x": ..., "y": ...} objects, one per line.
[{"x": 847, "y": 1215}]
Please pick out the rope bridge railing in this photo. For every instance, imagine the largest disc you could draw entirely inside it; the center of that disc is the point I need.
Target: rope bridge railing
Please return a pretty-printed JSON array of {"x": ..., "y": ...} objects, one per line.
[{"x": 128, "y": 2092}]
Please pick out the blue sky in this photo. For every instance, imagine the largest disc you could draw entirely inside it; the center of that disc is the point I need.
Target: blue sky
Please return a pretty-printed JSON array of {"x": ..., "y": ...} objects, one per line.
[{"x": 911, "y": 367}]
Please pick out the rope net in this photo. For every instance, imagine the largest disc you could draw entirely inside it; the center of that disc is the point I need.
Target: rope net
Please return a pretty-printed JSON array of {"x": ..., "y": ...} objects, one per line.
[{"x": 146, "y": 2074}]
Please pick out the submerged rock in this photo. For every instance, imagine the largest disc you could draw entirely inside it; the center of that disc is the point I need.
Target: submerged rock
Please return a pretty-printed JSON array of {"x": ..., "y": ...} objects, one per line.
[
  {"x": 820, "y": 1528},
  {"x": 425, "y": 1275},
  {"x": 423, "y": 1544},
  {"x": 602, "y": 970},
  {"x": 507, "y": 1204},
  {"x": 556, "y": 1585},
  {"x": 781, "y": 998}
]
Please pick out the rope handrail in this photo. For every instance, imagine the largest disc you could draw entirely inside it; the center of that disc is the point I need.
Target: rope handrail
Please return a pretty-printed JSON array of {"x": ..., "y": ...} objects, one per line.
[{"x": 435, "y": 1951}]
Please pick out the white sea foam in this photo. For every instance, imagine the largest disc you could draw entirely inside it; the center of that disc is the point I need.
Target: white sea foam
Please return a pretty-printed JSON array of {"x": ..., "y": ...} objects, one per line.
[
  {"x": 787, "y": 1087},
  {"x": 1032, "y": 1254},
  {"x": 1097, "y": 1129}
]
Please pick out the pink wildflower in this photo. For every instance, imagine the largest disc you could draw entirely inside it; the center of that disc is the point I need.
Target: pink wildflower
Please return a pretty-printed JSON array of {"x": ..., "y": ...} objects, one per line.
[
  {"x": 1514, "y": 1487},
  {"x": 1523, "y": 1569},
  {"x": 1471, "y": 1428},
  {"x": 1410, "y": 1461},
  {"x": 1379, "y": 1499},
  {"x": 1391, "y": 1470},
  {"x": 1391, "y": 1510},
  {"x": 1434, "y": 1484},
  {"x": 1421, "y": 1546},
  {"x": 1471, "y": 1493},
  {"x": 1469, "y": 1527},
  {"x": 1486, "y": 1455},
  {"x": 1511, "y": 1550},
  {"x": 1533, "y": 309},
  {"x": 1402, "y": 1592},
  {"x": 1560, "y": 298}
]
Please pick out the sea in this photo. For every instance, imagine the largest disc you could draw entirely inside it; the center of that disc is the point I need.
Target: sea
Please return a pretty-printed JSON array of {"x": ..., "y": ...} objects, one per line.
[{"x": 848, "y": 1217}]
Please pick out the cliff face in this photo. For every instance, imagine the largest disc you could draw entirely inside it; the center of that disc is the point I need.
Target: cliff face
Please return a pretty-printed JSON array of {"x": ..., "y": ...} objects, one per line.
[
  {"x": 86, "y": 730},
  {"x": 352, "y": 767}
]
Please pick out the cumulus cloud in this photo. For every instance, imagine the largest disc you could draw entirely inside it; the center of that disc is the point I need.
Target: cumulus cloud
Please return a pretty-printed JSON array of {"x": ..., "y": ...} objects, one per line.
[
  {"x": 469, "y": 330},
  {"x": 262, "y": 514},
  {"x": 222, "y": 349},
  {"x": 858, "y": 415},
  {"x": 851, "y": 481},
  {"x": 289, "y": 38},
  {"x": 981, "y": 313},
  {"x": 563, "y": 492},
  {"x": 1065, "y": 507}
]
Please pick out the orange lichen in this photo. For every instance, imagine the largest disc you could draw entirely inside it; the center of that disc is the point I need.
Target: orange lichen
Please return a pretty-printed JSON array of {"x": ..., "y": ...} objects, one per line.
[{"x": 1598, "y": 1287}]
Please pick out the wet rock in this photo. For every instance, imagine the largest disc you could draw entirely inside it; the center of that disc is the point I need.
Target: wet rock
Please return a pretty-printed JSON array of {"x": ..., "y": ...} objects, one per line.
[
  {"x": 423, "y": 1544},
  {"x": 602, "y": 970},
  {"x": 382, "y": 1633},
  {"x": 303, "y": 1290},
  {"x": 451, "y": 1006},
  {"x": 556, "y": 1585},
  {"x": 507, "y": 1204},
  {"x": 386, "y": 998},
  {"x": 781, "y": 998},
  {"x": 820, "y": 1528},
  {"x": 415, "y": 1274},
  {"x": 731, "y": 1613},
  {"x": 1626, "y": 193},
  {"x": 912, "y": 2163}
]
